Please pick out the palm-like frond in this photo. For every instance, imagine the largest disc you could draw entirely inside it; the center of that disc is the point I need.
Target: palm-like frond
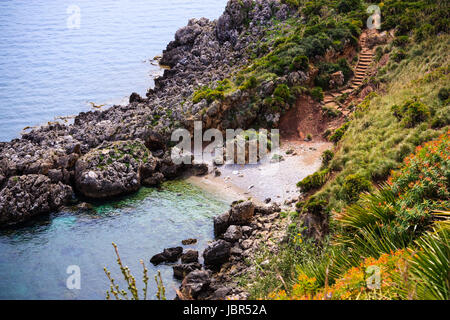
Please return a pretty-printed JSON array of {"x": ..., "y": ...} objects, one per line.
[
  {"x": 430, "y": 265},
  {"x": 372, "y": 208}
]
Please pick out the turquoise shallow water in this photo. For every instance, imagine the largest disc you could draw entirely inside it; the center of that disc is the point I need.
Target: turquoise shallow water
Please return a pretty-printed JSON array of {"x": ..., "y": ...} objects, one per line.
[
  {"x": 48, "y": 69},
  {"x": 34, "y": 258}
]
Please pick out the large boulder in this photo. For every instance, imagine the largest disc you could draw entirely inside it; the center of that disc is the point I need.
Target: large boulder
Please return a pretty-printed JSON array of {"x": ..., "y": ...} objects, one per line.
[
  {"x": 217, "y": 253},
  {"x": 233, "y": 233},
  {"x": 181, "y": 270},
  {"x": 195, "y": 285},
  {"x": 24, "y": 197},
  {"x": 242, "y": 213},
  {"x": 189, "y": 256},
  {"x": 221, "y": 223},
  {"x": 113, "y": 169}
]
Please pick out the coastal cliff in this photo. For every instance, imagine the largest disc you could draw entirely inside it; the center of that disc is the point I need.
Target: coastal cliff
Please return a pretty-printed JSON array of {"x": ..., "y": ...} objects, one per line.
[{"x": 54, "y": 156}]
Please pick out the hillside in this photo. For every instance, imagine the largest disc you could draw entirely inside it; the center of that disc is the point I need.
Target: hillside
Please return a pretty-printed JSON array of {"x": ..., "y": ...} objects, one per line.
[{"x": 382, "y": 196}]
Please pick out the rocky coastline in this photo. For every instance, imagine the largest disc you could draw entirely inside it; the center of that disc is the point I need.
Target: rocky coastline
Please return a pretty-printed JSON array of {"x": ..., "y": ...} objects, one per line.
[
  {"x": 239, "y": 232},
  {"x": 109, "y": 153}
]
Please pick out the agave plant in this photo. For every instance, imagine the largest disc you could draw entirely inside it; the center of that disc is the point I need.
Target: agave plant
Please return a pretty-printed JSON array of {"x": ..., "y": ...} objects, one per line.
[{"x": 430, "y": 265}]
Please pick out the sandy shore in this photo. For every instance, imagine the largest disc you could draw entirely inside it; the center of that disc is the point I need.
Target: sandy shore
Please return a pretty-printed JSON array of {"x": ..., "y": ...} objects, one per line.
[{"x": 266, "y": 179}]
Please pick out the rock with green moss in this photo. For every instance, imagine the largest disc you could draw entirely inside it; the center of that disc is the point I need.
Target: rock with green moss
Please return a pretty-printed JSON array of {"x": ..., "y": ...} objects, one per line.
[{"x": 113, "y": 169}]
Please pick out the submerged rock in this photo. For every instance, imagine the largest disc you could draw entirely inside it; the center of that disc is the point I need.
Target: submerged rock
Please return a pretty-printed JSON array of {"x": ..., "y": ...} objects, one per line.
[
  {"x": 189, "y": 241},
  {"x": 168, "y": 255}
]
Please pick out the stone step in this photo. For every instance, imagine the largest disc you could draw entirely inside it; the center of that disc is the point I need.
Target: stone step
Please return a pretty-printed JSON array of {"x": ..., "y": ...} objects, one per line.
[
  {"x": 332, "y": 105},
  {"x": 347, "y": 91}
]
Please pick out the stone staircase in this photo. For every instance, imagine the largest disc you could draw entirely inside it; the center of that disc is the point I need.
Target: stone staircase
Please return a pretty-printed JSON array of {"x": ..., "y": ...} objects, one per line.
[{"x": 365, "y": 59}]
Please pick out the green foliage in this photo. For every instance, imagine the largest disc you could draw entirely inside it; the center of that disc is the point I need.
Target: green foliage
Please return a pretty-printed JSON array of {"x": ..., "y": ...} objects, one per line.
[
  {"x": 317, "y": 94},
  {"x": 338, "y": 133},
  {"x": 300, "y": 63},
  {"x": 401, "y": 41},
  {"x": 327, "y": 156},
  {"x": 132, "y": 291},
  {"x": 444, "y": 94},
  {"x": 353, "y": 185},
  {"x": 314, "y": 181},
  {"x": 208, "y": 94},
  {"x": 430, "y": 265},
  {"x": 249, "y": 83},
  {"x": 345, "y": 6},
  {"x": 411, "y": 113},
  {"x": 316, "y": 205},
  {"x": 398, "y": 55},
  {"x": 424, "y": 18},
  {"x": 327, "y": 68}
]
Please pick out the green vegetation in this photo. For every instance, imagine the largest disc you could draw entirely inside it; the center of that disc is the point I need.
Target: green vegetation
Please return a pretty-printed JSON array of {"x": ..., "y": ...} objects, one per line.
[
  {"x": 317, "y": 94},
  {"x": 388, "y": 188},
  {"x": 337, "y": 135},
  {"x": 314, "y": 181},
  {"x": 132, "y": 291},
  {"x": 293, "y": 46}
]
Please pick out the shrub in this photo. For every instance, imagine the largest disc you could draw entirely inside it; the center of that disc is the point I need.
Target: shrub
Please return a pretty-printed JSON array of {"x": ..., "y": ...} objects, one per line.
[
  {"x": 314, "y": 181},
  {"x": 338, "y": 133},
  {"x": 282, "y": 95},
  {"x": 300, "y": 63},
  {"x": 317, "y": 94},
  {"x": 345, "y": 6},
  {"x": 398, "y": 55},
  {"x": 424, "y": 32},
  {"x": 401, "y": 41},
  {"x": 250, "y": 83},
  {"x": 315, "y": 205},
  {"x": 353, "y": 185},
  {"x": 291, "y": 3},
  {"x": 208, "y": 94},
  {"x": 442, "y": 118},
  {"x": 327, "y": 156},
  {"x": 411, "y": 113},
  {"x": 331, "y": 112},
  {"x": 443, "y": 94}
]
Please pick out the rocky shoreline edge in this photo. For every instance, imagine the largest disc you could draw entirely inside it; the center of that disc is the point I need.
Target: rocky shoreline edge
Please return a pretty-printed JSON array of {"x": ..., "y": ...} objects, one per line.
[
  {"x": 239, "y": 232},
  {"x": 110, "y": 153}
]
